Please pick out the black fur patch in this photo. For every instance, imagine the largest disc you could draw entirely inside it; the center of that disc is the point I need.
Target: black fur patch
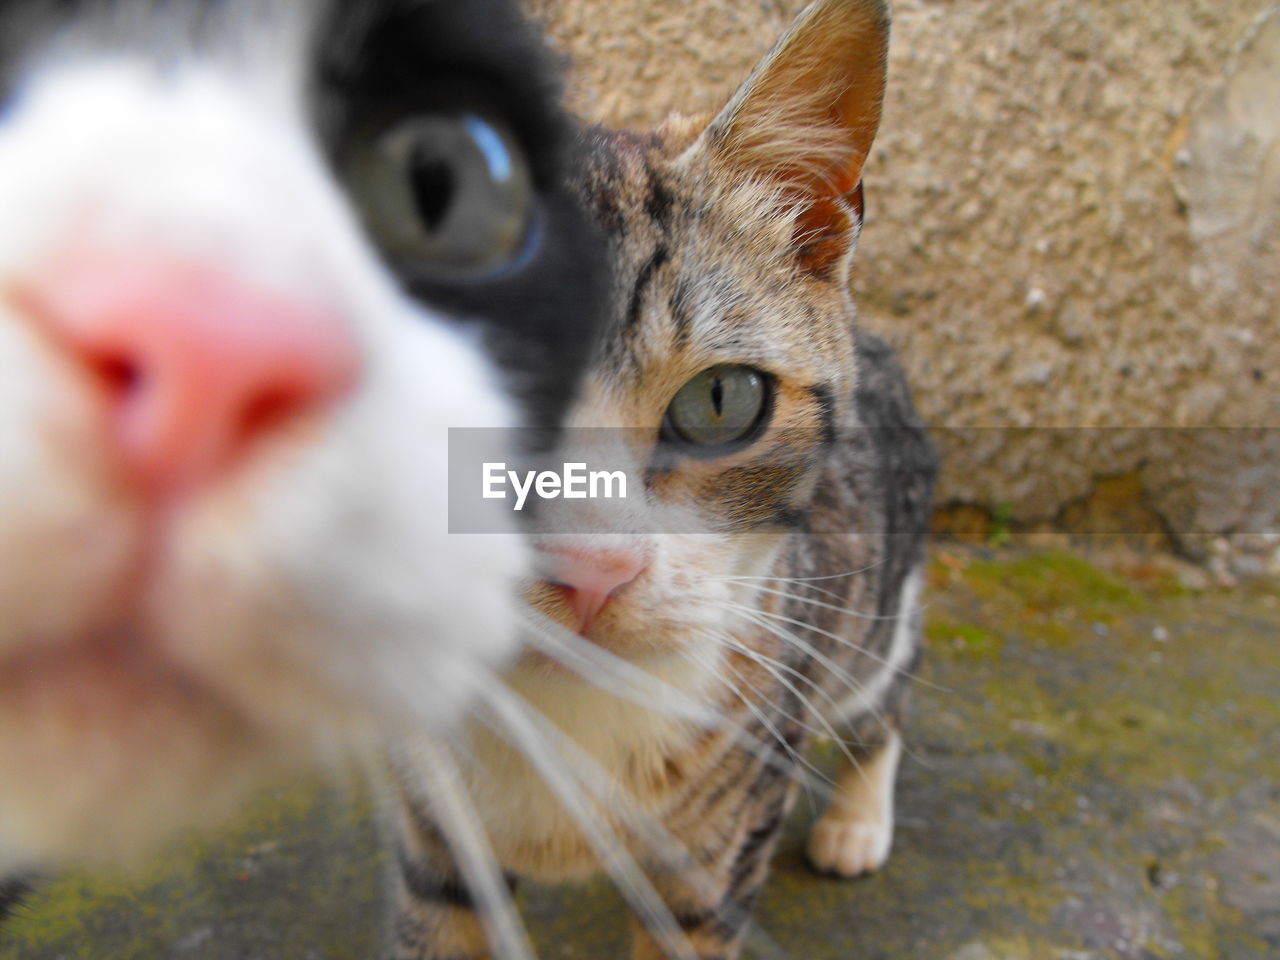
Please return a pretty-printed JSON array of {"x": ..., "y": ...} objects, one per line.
[
  {"x": 427, "y": 885},
  {"x": 13, "y": 892},
  {"x": 539, "y": 317}
]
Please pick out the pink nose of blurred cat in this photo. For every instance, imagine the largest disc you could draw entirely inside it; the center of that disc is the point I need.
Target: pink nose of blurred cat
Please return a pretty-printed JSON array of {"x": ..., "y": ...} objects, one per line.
[
  {"x": 195, "y": 363},
  {"x": 592, "y": 577}
]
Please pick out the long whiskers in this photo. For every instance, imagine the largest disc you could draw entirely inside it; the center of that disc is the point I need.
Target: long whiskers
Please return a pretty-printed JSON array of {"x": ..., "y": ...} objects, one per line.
[
  {"x": 778, "y": 670},
  {"x": 809, "y": 586},
  {"x": 511, "y": 718},
  {"x": 843, "y": 641},
  {"x": 829, "y": 576},
  {"x": 854, "y": 685},
  {"x": 586, "y": 791},
  {"x": 847, "y": 611},
  {"x": 763, "y": 619},
  {"x": 585, "y": 659},
  {"x": 753, "y": 708},
  {"x": 588, "y": 660},
  {"x": 469, "y": 844},
  {"x": 611, "y": 673},
  {"x": 857, "y": 687},
  {"x": 568, "y": 767}
]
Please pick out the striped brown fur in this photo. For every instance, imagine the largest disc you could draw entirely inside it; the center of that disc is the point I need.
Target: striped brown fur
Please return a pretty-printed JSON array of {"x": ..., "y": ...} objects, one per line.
[{"x": 796, "y": 605}]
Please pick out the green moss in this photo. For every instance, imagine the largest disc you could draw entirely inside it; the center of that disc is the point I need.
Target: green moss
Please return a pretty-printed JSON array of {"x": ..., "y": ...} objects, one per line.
[
  {"x": 1052, "y": 766},
  {"x": 1056, "y": 579},
  {"x": 965, "y": 640},
  {"x": 1201, "y": 918},
  {"x": 285, "y": 869}
]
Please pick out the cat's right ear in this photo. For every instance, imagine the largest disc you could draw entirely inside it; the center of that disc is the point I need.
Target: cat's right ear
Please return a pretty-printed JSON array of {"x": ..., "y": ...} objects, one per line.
[{"x": 806, "y": 117}]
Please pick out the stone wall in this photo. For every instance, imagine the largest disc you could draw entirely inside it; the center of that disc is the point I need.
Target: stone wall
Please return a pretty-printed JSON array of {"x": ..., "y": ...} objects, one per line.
[{"x": 1074, "y": 221}]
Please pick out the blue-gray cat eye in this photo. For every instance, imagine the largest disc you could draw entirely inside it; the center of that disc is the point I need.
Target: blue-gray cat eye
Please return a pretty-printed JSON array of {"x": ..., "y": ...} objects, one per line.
[
  {"x": 449, "y": 192},
  {"x": 720, "y": 410}
]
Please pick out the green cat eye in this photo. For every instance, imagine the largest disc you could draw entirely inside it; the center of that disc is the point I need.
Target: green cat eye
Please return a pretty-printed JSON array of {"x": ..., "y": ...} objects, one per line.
[
  {"x": 450, "y": 193},
  {"x": 721, "y": 408}
]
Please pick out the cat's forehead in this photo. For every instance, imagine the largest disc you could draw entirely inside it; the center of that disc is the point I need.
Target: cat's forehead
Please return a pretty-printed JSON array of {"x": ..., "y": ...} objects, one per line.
[{"x": 703, "y": 269}]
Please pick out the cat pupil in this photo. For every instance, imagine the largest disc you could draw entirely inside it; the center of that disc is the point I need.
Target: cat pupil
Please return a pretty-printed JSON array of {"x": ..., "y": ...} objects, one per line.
[
  {"x": 717, "y": 396},
  {"x": 434, "y": 186}
]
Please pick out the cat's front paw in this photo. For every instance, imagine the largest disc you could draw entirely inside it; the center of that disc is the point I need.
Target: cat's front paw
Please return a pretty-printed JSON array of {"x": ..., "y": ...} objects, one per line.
[{"x": 849, "y": 848}]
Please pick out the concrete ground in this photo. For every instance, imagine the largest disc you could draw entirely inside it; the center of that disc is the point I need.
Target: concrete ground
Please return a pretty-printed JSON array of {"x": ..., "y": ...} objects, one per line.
[{"x": 1094, "y": 773}]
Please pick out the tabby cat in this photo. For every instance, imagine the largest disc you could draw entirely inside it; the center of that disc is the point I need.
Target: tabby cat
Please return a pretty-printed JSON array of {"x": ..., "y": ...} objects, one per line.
[
  {"x": 752, "y": 416},
  {"x": 257, "y": 257}
]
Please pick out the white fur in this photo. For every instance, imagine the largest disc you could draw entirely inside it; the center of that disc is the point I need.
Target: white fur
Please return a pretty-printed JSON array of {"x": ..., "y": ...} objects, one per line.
[
  {"x": 313, "y": 596},
  {"x": 901, "y": 649},
  {"x": 619, "y": 745},
  {"x": 856, "y": 833}
]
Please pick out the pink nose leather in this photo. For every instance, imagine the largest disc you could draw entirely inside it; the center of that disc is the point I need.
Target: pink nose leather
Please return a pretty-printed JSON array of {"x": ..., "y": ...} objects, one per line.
[
  {"x": 195, "y": 362},
  {"x": 592, "y": 577}
]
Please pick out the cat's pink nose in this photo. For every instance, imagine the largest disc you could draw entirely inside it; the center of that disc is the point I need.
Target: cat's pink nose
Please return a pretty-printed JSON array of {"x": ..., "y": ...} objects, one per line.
[
  {"x": 195, "y": 363},
  {"x": 591, "y": 577}
]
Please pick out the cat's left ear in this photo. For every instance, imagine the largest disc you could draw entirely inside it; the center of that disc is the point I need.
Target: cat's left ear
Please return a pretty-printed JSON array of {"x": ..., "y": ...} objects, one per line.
[{"x": 806, "y": 118}]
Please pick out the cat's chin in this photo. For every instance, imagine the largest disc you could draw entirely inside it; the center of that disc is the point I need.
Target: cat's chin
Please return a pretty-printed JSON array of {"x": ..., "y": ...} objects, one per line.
[
  {"x": 108, "y": 731},
  {"x": 542, "y": 664},
  {"x": 655, "y": 654}
]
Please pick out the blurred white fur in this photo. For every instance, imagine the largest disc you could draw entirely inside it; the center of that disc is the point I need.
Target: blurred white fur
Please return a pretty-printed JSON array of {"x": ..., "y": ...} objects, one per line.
[{"x": 311, "y": 599}]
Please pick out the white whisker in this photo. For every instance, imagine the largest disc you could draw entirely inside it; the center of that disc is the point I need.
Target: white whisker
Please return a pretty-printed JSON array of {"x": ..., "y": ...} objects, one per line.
[
  {"x": 843, "y": 641},
  {"x": 775, "y": 667},
  {"x": 853, "y": 684},
  {"x": 856, "y": 686},
  {"x": 752, "y": 615},
  {"x": 469, "y": 845},
  {"x": 848, "y": 611},
  {"x": 830, "y": 576},
  {"x": 612, "y": 673},
  {"x": 515, "y": 721},
  {"x": 765, "y": 752}
]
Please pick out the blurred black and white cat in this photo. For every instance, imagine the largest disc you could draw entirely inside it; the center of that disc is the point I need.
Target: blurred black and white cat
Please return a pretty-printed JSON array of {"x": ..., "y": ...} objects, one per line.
[{"x": 256, "y": 258}]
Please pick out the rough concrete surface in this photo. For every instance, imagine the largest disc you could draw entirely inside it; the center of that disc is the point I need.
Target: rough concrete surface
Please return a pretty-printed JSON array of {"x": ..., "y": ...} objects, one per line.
[
  {"x": 1074, "y": 221},
  {"x": 1093, "y": 774}
]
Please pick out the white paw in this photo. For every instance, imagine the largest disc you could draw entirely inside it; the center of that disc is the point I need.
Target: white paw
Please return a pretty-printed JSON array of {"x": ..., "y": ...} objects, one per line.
[{"x": 849, "y": 848}]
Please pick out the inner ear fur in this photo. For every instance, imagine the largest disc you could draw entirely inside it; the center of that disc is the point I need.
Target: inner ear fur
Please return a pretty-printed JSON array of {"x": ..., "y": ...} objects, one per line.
[{"x": 806, "y": 117}]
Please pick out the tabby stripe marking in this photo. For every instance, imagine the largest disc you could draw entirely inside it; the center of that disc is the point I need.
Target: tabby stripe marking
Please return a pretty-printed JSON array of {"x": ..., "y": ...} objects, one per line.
[
  {"x": 757, "y": 839},
  {"x": 428, "y": 886},
  {"x": 825, "y": 399},
  {"x": 643, "y": 279},
  {"x": 659, "y": 202}
]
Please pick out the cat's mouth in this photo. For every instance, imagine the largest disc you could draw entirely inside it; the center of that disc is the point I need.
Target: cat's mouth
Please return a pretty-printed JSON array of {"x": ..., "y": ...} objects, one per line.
[
  {"x": 559, "y": 623},
  {"x": 110, "y": 678},
  {"x": 625, "y": 627}
]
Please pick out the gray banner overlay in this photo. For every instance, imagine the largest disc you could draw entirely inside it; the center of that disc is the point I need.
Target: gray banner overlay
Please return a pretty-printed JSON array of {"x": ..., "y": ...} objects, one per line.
[{"x": 576, "y": 482}]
